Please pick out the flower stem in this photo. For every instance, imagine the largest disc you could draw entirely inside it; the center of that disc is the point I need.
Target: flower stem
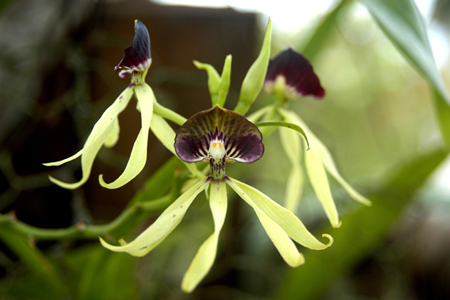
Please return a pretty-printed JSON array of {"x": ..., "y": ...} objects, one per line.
[{"x": 82, "y": 230}]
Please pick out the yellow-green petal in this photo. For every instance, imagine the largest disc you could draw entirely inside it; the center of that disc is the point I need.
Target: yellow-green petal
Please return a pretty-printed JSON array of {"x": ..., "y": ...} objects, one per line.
[
  {"x": 100, "y": 133},
  {"x": 165, "y": 134},
  {"x": 280, "y": 215},
  {"x": 319, "y": 181},
  {"x": 254, "y": 79},
  {"x": 276, "y": 233},
  {"x": 316, "y": 173},
  {"x": 138, "y": 156},
  {"x": 254, "y": 117},
  {"x": 164, "y": 225},
  {"x": 290, "y": 141},
  {"x": 113, "y": 136},
  {"x": 204, "y": 259},
  {"x": 326, "y": 157},
  {"x": 294, "y": 188},
  {"x": 218, "y": 85}
]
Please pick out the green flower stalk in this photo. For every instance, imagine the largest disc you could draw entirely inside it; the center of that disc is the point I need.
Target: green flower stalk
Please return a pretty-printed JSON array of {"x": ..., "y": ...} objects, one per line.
[
  {"x": 290, "y": 76},
  {"x": 218, "y": 136},
  {"x": 135, "y": 62}
]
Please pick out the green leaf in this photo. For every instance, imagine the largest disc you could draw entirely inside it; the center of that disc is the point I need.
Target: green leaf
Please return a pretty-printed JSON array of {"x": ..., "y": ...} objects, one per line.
[
  {"x": 254, "y": 80},
  {"x": 107, "y": 275},
  {"x": 41, "y": 268},
  {"x": 321, "y": 33},
  {"x": 362, "y": 231},
  {"x": 402, "y": 23},
  {"x": 218, "y": 85},
  {"x": 442, "y": 111},
  {"x": 158, "y": 184}
]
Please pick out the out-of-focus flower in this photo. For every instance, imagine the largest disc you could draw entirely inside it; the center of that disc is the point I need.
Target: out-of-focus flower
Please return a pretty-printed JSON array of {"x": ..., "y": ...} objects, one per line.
[
  {"x": 289, "y": 76},
  {"x": 136, "y": 61},
  {"x": 136, "y": 58},
  {"x": 217, "y": 136}
]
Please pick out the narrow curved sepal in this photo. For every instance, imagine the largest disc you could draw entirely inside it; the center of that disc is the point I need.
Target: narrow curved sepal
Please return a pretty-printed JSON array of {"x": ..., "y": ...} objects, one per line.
[
  {"x": 204, "y": 259},
  {"x": 291, "y": 144},
  {"x": 105, "y": 132},
  {"x": 165, "y": 134},
  {"x": 242, "y": 139},
  {"x": 254, "y": 79},
  {"x": 293, "y": 74},
  {"x": 324, "y": 156},
  {"x": 163, "y": 226},
  {"x": 137, "y": 57},
  {"x": 284, "y": 218},
  {"x": 218, "y": 85},
  {"x": 138, "y": 156}
]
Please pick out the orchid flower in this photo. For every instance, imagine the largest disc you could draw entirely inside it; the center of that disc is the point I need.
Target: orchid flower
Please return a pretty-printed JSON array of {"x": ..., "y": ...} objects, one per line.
[
  {"x": 135, "y": 62},
  {"x": 218, "y": 136},
  {"x": 290, "y": 76}
]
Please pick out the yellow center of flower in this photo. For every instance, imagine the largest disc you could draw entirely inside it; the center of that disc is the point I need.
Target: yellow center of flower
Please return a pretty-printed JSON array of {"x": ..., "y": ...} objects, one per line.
[{"x": 217, "y": 150}]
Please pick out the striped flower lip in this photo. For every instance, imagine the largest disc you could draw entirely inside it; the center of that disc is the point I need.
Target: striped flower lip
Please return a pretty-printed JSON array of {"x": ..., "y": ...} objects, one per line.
[
  {"x": 136, "y": 58},
  {"x": 218, "y": 136},
  {"x": 294, "y": 74}
]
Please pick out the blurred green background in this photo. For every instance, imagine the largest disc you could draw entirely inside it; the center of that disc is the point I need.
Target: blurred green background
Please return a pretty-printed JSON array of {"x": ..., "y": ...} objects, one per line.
[{"x": 377, "y": 119}]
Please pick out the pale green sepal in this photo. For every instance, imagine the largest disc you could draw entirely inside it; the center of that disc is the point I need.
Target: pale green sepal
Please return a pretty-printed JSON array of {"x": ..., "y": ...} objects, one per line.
[
  {"x": 325, "y": 157},
  {"x": 218, "y": 85},
  {"x": 254, "y": 80},
  {"x": 165, "y": 134},
  {"x": 294, "y": 188},
  {"x": 290, "y": 141},
  {"x": 257, "y": 115},
  {"x": 87, "y": 160},
  {"x": 138, "y": 253},
  {"x": 276, "y": 233},
  {"x": 319, "y": 181},
  {"x": 204, "y": 259},
  {"x": 70, "y": 158},
  {"x": 138, "y": 156},
  {"x": 113, "y": 136},
  {"x": 163, "y": 226},
  {"x": 99, "y": 135},
  {"x": 280, "y": 215}
]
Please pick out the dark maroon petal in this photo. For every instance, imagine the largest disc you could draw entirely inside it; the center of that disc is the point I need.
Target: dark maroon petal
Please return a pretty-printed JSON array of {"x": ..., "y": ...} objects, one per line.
[
  {"x": 137, "y": 57},
  {"x": 241, "y": 138},
  {"x": 298, "y": 73}
]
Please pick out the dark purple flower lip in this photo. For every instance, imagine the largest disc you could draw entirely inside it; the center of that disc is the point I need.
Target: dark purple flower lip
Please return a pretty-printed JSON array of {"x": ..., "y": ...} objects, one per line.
[
  {"x": 218, "y": 134},
  {"x": 136, "y": 58},
  {"x": 296, "y": 72}
]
